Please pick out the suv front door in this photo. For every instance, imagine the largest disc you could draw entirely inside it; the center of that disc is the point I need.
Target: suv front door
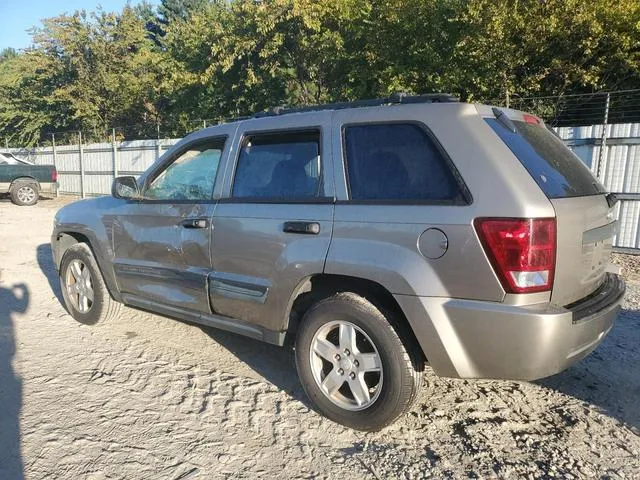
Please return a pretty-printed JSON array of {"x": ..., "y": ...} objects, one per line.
[
  {"x": 162, "y": 242},
  {"x": 273, "y": 228}
]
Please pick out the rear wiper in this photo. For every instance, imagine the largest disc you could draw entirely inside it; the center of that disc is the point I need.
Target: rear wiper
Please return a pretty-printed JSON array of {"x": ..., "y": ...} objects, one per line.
[{"x": 504, "y": 120}]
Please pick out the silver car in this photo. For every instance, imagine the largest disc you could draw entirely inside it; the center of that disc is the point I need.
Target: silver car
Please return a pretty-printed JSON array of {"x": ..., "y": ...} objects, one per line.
[{"x": 374, "y": 237}]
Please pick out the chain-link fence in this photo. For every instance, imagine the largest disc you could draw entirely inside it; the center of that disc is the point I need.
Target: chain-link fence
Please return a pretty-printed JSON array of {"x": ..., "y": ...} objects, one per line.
[
  {"x": 145, "y": 131},
  {"x": 602, "y": 128},
  {"x": 600, "y": 108}
]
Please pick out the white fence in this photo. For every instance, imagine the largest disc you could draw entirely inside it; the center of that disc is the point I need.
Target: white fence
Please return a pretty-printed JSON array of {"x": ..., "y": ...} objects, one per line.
[
  {"x": 89, "y": 169},
  {"x": 617, "y": 166}
]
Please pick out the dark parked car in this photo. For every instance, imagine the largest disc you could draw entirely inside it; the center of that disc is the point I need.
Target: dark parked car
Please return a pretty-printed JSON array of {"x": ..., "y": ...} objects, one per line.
[
  {"x": 24, "y": 181},
  {"x": 372, "y": 236}
]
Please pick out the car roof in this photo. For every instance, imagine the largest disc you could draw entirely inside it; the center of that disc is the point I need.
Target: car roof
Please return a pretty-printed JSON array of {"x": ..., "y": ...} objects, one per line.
[{"x": 396, "y": 100}]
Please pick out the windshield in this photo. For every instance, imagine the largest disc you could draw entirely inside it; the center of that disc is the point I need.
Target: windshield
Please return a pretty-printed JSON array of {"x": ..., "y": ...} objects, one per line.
[
  {"x": 20, "y": 160},
  {"x": 11, "y": 159},
  {"x": 555, "y": 168}
]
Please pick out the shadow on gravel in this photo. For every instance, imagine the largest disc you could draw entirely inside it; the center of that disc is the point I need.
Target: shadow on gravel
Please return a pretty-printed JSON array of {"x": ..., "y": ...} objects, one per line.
[
  {"x": 5, "y": 198},
  {"x": 276, "y": 364},
  {"x": 608, "y": 378},
  {"x": 12, "y": 300},
  {"x": 45, "y": 261}
]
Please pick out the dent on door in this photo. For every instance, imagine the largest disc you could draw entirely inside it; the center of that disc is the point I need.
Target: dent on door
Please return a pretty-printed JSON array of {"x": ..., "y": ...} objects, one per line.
[{"x": 158, "y": 259}]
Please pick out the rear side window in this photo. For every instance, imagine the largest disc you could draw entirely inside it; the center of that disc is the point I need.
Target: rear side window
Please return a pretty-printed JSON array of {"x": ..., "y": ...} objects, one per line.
[
  {"x": 555, "y": 168},
  {"x": 398, "y": 162},
  {"x": 279, "y": 166}
]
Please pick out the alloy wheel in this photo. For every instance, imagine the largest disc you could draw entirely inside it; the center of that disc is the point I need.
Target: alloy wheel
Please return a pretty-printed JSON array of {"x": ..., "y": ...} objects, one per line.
[
  {"x": 26, "y": 194},
  {"x": 79, "y": 286},
  {"x": 346, "y": 365}
]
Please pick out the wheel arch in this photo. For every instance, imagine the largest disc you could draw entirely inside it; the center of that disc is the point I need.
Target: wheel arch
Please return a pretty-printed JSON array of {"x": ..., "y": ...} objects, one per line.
[
  {"x": 318, "y": 287},
  {"x": 65, "y": 239},
  {"x": 25, "y": 178}
]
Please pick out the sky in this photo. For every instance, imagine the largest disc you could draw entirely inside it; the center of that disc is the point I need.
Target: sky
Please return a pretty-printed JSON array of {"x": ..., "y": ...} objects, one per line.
[{"x": 17, "y": 16}]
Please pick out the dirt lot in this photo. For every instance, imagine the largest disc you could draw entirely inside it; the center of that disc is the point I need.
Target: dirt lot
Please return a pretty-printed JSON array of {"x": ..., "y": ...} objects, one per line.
[{"x": 149, "y": 397}]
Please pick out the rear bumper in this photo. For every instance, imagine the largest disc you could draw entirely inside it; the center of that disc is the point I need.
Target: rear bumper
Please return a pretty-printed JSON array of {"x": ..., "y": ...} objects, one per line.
[
  {"x": 474, "y": 339},
  {"x": 49, "y": 187}
]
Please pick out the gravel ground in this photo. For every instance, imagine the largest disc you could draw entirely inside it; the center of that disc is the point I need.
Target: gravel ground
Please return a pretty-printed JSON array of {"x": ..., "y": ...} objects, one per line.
[{"x": 149, "y": 397}]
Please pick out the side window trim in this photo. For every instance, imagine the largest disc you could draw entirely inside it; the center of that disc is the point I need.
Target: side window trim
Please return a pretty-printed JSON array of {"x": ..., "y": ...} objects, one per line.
[
  {"x": 221, "y": 140},
  {"x": 464, "y": 190},
  {"x": 240, "y": 142}
]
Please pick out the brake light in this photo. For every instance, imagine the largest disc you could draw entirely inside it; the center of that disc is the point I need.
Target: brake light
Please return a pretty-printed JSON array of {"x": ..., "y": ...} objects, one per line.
[
  {"x": 521, "y": 250},
  {"x": 531, "y": 119},
  {"x": 54, "y": 175}
]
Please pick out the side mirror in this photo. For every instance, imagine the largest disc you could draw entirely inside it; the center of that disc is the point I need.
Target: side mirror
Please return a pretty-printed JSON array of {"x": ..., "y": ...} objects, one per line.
[{"x": 125, "y": 188}]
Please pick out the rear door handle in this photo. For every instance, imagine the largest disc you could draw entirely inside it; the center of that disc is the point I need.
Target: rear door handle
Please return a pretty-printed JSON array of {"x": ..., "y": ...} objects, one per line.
[
  {"x": 195, "y": 223},
  {"x": 306, "y": 228}
]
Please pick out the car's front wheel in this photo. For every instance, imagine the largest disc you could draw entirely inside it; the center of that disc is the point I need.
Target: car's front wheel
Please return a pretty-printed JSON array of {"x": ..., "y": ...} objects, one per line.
[
  {"x": 353, "y": 363},
  {"x": 83, "y": 289}
]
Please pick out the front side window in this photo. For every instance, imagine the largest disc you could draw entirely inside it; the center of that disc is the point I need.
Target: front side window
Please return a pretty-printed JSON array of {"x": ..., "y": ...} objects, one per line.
[
  {"x": 397, "y": 162},
  {"x": 190, "y": 177},
  {"x": 279, "y": 166}
]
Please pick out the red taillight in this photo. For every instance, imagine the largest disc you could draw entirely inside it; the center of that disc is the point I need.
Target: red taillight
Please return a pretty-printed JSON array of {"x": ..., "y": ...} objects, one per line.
[
  {"x": 530, "y": 119},
  {"x": 521, "y": 250},
  {"x": 54, "y": 175}
]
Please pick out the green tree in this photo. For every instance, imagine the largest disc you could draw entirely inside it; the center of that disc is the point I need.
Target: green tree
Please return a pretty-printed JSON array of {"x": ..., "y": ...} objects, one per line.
[
  {"x": 179, "y": 10},
  {"x": 8, "y": 54},
  {"x": 190, "y": 59},
  {"x": 27, "y": 104}
]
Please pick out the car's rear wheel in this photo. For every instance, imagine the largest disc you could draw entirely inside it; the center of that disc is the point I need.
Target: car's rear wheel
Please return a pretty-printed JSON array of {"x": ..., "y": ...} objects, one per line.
[
  {"x": 83, "y": 289},
  {"x": 356, "y": 364},
  {"x": 24, "y": 193}
]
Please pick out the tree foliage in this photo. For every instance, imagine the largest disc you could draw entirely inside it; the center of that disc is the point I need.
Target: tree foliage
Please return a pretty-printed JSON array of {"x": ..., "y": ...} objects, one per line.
[{"x": 186, "y": 59}]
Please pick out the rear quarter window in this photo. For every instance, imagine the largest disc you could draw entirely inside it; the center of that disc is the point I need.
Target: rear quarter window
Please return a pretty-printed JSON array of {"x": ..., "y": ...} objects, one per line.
[
  {"x": 398, "y": 162},
  {"x": 557, "y": 170}
]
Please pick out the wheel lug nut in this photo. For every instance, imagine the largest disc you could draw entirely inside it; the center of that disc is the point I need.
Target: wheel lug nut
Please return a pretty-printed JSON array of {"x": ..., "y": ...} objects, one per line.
[
  {"x": 352, "y": 375},
  {"x": 346, "y": 351},
  {"x": 341, "y": 371},
  {"x": 356, "y": 363},
  {"x": 337, "y": 357}
]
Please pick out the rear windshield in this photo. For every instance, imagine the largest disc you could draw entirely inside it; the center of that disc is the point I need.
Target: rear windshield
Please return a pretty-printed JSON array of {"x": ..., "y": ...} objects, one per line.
[{"x": 555, "y": 168}]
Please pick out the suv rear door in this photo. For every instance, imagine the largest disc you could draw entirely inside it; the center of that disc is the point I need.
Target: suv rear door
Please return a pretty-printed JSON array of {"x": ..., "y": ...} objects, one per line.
[
  {"x": 585, "y": 221},
  {"x": 273, "y": 227}
]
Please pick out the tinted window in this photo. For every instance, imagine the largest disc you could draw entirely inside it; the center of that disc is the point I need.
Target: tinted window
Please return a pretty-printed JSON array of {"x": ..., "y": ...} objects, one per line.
[
  {"x": 397, "y": 162},
  {"x": 279, "y": 166},
  {"x": 555, "y": 168},
  {"x": 190, "y": 177}
]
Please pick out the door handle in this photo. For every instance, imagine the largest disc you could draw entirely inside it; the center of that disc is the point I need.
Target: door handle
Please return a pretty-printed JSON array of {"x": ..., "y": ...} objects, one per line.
[
  {"x": 195, "y": 223},
  {"x": 307, "y": 228}
]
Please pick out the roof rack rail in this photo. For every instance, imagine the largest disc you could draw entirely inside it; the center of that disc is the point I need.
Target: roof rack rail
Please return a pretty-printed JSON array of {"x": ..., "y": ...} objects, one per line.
[{"x": 393, "y": 99}]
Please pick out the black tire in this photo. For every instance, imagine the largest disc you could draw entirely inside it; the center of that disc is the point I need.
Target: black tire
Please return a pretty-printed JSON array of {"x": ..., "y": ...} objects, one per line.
[
  {"x": 24, "y": 192},
  {"x": 102, "y": 308},
  {"x": 401, "y": 359}
]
